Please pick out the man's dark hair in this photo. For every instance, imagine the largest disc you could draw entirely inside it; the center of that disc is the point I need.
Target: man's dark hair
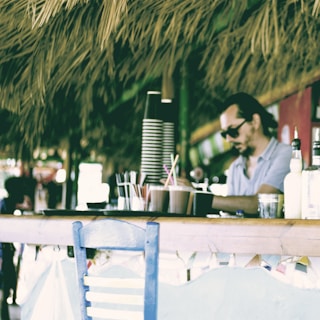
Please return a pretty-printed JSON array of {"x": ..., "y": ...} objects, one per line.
[{"x": 248, "y": 106}]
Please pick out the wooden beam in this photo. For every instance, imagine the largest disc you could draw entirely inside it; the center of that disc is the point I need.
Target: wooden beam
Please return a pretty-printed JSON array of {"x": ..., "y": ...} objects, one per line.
[
  {"x": 265, "y": 99},
  {"x": 204, "y": 131}
]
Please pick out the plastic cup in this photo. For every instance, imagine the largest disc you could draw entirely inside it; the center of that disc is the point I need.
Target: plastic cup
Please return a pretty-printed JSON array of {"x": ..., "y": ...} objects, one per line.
[
  {"x": 178, "y": 199},
  {"x": 159, "y": 198},
  {"x": 137, "y": 204},
  {"x": 270, "y": 205}
]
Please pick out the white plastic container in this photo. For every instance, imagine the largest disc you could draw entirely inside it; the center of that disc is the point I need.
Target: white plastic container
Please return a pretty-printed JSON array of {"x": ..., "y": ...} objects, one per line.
[
  {"x": 293, "y": 181},
  {"x": 311, "y": 183},
  {"x": 293, "y": 190}
]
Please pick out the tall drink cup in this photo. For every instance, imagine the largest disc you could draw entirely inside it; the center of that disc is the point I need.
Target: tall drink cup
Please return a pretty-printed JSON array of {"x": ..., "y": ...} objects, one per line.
[
  {"x": 159, "y": 198},
  {"x": 178, "y": 199}
]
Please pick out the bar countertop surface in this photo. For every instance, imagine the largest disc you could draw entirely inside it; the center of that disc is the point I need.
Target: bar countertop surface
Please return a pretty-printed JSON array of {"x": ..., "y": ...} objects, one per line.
[{"x": 258, "y": 236}]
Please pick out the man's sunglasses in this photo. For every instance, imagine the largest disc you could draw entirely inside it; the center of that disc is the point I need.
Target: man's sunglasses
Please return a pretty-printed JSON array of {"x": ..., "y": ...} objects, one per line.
[{"x": 232, "y": 132}]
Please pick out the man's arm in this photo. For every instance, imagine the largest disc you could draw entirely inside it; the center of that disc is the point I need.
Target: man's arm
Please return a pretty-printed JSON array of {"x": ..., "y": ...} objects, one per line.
[{"x": 249, "y": 204}]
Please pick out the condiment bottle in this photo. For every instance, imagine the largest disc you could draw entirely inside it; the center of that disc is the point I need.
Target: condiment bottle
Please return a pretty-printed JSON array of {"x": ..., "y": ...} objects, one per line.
[
  {"x": 293, "y": 181},
  {"x": 311, "y": 183}
]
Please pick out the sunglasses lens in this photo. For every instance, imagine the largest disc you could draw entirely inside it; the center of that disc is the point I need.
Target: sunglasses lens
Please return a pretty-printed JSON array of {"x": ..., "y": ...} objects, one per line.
[{"x": 232, "y": 132}]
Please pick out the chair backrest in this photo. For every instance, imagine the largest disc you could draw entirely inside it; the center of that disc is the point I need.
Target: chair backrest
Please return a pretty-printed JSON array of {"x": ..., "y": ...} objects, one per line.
[{"x": 98, "y": 296}]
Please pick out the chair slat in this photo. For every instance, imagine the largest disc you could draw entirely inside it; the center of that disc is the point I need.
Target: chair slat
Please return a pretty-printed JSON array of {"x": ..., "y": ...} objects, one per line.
[
  {"x": 113, "y": 282},
  {"x": 125, "y": 299},
  {"x": 114, "y": 314}
]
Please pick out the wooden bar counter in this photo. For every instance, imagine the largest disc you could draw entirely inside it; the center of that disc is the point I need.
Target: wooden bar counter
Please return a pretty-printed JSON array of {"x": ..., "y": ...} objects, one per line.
[
  {"x": 188, "y": 289},
  {"x": 252, "y": 236}
]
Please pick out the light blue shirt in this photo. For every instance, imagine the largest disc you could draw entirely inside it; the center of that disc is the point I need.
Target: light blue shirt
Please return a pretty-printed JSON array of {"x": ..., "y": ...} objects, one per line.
[{"x": 272, "y": 167}]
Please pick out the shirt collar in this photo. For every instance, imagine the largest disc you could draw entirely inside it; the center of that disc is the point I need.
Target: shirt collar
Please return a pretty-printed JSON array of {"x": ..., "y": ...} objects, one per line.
[{"x": 266, "y": 155}]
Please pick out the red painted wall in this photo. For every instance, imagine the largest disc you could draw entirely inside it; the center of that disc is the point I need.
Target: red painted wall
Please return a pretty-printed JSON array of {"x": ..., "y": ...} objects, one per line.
[{"x": 296, "y": 111}]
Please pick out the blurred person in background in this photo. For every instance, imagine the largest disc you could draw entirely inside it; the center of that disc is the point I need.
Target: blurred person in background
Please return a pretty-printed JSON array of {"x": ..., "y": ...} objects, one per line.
[
  {"x": 263, "y": 161},
  {"x": 16, "y": 200}
]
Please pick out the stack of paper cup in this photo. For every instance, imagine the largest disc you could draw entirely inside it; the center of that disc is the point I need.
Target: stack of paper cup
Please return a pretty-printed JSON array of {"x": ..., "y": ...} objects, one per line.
[
  {"x": 151, "y": 151},
  {"x": 152, "y": 135}
]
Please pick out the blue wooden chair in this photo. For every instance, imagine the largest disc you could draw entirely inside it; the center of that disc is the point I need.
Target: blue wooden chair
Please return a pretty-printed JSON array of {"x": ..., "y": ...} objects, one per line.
[{"x": 117, "y": 298}]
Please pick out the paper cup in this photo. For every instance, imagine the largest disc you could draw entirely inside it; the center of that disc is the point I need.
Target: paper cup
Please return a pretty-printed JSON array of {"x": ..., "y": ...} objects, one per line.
[
  {"x": 159, "y": 198},
  {"x": 178, "y": 199}
]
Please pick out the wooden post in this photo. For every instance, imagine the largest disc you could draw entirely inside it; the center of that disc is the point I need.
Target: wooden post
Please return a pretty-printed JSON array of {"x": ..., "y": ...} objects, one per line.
[{"x": 184, "y": 132}]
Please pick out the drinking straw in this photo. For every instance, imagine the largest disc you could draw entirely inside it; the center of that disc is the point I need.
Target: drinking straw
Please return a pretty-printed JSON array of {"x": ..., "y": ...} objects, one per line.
[
  {"x": 145, "y": 189},
  {"x": 140, "y": 197},
  {"x": 127, "y": 194},
  {"x": 119, "y": 185},
  {"x": 133, "y": 177},
  {"x": 172, "y": 170},
  {"x": 168, "y": 172},
  {"x": 127, "y": 189},
  {"x": 142, "y": 178}
]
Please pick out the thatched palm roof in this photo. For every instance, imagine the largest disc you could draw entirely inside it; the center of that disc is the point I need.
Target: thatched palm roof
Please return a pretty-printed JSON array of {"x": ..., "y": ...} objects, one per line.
[{"x": 73, "y": 64}]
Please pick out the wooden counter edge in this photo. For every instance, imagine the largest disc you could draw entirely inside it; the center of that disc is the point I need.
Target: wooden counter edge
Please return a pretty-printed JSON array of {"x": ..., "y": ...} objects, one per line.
[{"x": 264, "y": 236}]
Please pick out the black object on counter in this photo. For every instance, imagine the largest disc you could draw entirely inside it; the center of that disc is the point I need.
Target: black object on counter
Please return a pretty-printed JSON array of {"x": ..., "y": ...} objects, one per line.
[{"x": 153, "y": 105}]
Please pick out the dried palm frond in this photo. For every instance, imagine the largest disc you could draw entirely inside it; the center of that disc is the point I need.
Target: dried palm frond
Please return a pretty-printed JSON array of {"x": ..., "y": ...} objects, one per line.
[{"x": 92, "y": 60}]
